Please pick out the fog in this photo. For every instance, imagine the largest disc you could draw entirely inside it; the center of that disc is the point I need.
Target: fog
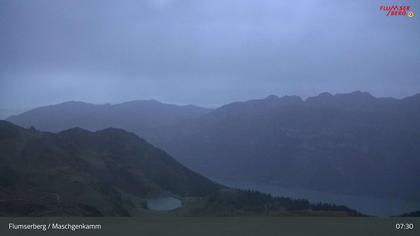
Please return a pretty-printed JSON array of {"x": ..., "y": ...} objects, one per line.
[{"x": 203, "y": 52}]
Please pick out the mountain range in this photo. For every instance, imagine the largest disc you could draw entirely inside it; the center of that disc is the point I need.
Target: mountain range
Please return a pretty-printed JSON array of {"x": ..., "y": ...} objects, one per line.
[
  {"x": 347, "y": 143},
  {"x": 112, "y": 172},
  {"x": 137, "y": 116}
]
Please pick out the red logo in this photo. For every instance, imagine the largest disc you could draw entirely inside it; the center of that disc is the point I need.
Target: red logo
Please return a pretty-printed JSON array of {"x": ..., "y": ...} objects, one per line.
[{"x": 397, "y": 10}]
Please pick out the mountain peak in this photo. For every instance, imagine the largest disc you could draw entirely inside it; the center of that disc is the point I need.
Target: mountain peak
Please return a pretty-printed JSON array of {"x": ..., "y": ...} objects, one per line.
[
  {"x": 360, "y": 94},
  {"x": 76, "y": 131},
  {"x": 356, "y": 97},
  {"x": 284, "y": 99},
  {"x": 271, "y": 97},
  {"x": 149, "y": 101},
  {"x": 325, "y": 95}
]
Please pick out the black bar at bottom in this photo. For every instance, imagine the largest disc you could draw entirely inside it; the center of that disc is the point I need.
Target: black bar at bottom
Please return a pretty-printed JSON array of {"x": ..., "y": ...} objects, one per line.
[{"x": 214, "y": 226}]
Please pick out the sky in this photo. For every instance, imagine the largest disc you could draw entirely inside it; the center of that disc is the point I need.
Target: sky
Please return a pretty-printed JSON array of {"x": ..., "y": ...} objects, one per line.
[{"x": 203, "y": 52}]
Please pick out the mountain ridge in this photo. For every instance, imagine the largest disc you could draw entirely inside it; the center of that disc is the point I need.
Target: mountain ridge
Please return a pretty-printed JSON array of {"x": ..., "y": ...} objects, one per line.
[
  {"x": 260, "y": 137},
  {"x": 322, "y": 145},
  {"x": 112, "y": 172},
  {"x": 139, "y": 115}
]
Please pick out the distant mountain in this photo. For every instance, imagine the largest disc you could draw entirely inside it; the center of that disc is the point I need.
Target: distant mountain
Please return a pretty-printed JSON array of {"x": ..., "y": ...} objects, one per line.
[
  {"x": 4, "y": 113},
  {"x": 138, "y": 116},
  {"x": 113, "y": 173},
  {"x": 347, "y": 143},
  {"x": 80, "y": 172}
]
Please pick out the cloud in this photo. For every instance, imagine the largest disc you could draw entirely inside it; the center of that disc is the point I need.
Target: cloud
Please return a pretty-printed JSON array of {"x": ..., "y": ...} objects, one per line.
[
  {"x": 160, "y": 3},
  {"x": 202, "y": 52}
]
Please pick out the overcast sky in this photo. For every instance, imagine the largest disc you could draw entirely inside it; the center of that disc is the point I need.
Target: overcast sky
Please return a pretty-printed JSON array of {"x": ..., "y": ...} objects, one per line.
[{"x": 204, "y": 52}]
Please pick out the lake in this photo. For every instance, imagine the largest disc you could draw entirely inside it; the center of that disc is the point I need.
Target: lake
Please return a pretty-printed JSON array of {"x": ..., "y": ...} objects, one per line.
[
  {"x": 365, "y": 204},
  {"x": 163, "y": 203}
]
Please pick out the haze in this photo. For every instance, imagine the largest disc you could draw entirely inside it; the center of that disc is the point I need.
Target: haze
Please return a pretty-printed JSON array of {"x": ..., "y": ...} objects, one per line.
[{"x": 202, "y": 52}]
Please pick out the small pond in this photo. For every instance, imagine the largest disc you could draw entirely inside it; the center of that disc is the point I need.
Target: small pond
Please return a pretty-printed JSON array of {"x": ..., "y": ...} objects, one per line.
[{"x": 164, "y": 203}]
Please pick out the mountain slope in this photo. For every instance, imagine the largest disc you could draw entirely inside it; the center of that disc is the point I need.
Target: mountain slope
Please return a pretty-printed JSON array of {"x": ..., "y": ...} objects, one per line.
[
  {"x": 78, "y": 167},
  {"x": 348, "y": 143},
  {"x": 113, "y": 173}
]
